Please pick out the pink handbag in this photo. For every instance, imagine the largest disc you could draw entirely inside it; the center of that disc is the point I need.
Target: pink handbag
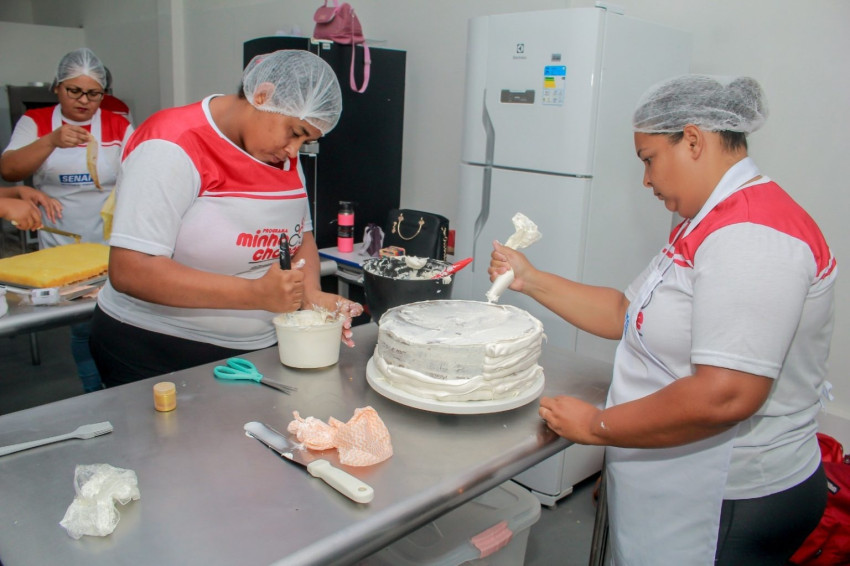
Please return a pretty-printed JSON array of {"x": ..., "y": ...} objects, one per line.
[{"x": 340, "y": 25}]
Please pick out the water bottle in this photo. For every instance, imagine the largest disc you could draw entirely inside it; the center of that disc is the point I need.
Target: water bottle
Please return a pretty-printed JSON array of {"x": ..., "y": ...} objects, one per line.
[{"x": 345, "y": 227}]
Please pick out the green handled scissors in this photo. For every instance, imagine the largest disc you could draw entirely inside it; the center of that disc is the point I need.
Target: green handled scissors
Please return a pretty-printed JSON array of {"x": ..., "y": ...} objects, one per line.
[{"x": 239, "y": 369}]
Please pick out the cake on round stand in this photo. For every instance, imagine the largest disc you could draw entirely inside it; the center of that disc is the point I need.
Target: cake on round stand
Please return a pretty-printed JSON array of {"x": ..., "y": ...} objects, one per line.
[{"x": 459, "y": 357}]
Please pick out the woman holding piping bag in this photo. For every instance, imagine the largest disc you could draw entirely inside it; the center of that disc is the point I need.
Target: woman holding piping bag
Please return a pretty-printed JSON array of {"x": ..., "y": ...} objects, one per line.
[
  {"x": 206, "y": 191},
  {"x": 709, "y": 427},
  {"x": 72, "y": 151}
]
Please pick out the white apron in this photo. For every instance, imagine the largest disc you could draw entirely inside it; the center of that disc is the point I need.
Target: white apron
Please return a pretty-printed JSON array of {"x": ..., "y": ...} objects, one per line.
[
  {"x": 64, "y": 176},
  {"x": 665, "y": 503}
]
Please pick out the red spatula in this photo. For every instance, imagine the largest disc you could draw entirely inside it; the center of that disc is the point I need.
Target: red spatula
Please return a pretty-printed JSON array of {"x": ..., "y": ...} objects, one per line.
[{"x": 454, "y": 268}]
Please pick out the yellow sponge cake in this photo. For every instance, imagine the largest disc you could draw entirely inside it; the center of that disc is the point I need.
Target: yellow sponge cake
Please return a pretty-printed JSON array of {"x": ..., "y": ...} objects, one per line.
[{"x": 55, "y": 267}]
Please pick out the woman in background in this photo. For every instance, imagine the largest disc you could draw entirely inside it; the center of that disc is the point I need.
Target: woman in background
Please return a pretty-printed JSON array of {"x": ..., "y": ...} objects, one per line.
[
  {"x": 207, "y": 192},
  {"x": 51, "y": 145},
  {"x": 710, "y": 424}
]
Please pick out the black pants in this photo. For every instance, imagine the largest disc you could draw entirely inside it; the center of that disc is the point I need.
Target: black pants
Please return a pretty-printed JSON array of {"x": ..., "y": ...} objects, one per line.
[
  {"x": 766, "y": 531},
  {"x": 125, "y": 353}
]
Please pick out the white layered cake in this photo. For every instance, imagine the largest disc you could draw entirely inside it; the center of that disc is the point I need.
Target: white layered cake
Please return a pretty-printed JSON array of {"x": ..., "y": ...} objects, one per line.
[{"x": 459, "y": 350}]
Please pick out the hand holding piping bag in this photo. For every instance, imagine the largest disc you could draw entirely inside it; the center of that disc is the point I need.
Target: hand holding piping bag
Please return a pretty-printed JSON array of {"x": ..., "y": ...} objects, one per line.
[
  {"x": 526, "y": 234},
  {"x": 284, "y": 287}
]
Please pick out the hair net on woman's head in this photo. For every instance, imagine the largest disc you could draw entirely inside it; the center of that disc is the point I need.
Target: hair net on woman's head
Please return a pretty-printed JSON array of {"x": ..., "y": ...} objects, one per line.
[
  {"x": 297, "y": 83},
  {"x": 78, "y": 63},
  {"x": 713, "y": 104}
]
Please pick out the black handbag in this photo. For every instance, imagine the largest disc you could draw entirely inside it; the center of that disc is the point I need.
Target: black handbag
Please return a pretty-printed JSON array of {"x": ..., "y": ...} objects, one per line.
[{"x": 421, "y": 234}]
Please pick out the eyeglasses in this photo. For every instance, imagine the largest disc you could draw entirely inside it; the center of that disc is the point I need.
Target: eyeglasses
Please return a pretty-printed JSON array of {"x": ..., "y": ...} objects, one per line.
[{"x": 77, "y": 93}]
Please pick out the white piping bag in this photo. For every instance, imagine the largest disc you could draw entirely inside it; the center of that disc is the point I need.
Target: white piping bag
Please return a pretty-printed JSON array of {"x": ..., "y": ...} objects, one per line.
[{"x": 526, "y": 234}]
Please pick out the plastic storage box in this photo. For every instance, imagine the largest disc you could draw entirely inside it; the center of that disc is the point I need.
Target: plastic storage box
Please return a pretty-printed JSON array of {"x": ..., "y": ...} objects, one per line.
[{"x": 492, "y": 530}]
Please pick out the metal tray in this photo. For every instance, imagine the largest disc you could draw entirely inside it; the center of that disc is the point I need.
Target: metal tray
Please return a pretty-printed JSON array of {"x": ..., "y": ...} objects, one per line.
[{"x": 93, "y": 281}]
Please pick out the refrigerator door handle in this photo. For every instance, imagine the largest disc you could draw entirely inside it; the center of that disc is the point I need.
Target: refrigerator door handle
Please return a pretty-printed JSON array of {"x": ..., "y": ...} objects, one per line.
[{"x": 484, "y": 214}]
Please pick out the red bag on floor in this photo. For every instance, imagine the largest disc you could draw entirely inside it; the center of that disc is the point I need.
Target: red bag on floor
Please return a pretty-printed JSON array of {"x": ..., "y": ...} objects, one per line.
[{"x": 829, "y": 543}]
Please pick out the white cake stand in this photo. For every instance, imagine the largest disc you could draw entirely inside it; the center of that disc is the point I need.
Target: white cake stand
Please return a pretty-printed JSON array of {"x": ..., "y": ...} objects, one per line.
[{"x": 388, "y": 390}]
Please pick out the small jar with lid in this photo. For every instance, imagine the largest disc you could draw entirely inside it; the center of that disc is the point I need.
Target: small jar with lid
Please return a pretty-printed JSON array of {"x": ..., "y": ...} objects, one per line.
[{"x": 164, "y": 396}]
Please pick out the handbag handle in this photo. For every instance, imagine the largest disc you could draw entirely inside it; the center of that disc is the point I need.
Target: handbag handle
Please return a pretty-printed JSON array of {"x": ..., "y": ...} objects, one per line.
[
  {"x": 397, "y": 227},
  {"x": 367, "y": 65}
]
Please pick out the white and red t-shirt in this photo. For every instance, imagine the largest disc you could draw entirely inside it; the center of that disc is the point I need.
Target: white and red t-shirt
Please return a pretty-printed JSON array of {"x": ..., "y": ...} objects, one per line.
[
  {"x": 64, "y": 174},
  {"x": 751, "y": 288},
  {"x": 187, "y": 192}
]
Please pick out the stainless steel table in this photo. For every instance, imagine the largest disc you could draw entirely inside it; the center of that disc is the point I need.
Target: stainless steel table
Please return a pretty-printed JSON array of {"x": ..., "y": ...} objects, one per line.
[
  {"x": 210, "y": 495},
  {"x": 348, "y": 266},
  {"x": 25, "y": 317}
]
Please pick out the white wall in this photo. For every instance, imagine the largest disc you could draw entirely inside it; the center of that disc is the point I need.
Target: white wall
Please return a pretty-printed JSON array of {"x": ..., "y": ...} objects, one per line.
[
  {"x": 20, "y": 59},
  {"x": 124, "y": 35},
  {"x": 795, "y": 48}
]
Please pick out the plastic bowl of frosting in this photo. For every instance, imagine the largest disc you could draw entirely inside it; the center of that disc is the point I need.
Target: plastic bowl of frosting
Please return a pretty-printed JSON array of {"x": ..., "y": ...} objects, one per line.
[
  {"x": 308, "y": 338},
  {"x": 399, "y": 280}
]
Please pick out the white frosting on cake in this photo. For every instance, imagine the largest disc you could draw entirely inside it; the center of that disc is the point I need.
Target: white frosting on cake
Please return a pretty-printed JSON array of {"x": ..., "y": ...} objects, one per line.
[{"x": 459, "y": 350}]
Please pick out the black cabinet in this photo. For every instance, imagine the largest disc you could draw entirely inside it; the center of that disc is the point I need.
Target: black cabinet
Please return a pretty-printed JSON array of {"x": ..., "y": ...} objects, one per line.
[{"x": 360, "y": 159}]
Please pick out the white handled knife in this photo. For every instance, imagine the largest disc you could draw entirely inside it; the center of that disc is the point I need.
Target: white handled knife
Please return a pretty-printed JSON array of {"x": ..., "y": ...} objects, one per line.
[{"x": 341, "y": 481}]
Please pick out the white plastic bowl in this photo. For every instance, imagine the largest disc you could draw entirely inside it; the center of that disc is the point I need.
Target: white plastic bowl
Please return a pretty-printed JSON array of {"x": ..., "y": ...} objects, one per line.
[{"x": 308, "y": 339}]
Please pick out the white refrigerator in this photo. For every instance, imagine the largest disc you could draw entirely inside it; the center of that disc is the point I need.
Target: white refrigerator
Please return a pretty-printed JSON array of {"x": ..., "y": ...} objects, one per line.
[{"x": 547, "y": 132}]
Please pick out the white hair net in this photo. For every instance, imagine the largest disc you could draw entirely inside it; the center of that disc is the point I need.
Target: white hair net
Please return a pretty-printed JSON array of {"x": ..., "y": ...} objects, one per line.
[
  {"x": 297, "y": 83},
  {"x": 78, "y": 63},
  {"x": 714, "y": 104}
]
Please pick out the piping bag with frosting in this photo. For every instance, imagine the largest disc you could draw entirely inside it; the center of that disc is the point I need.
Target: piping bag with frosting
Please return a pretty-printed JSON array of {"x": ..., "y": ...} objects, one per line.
[{"x": 526, "y": 234}]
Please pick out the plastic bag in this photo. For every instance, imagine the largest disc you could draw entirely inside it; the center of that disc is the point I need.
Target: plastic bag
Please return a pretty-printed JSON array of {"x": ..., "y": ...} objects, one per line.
[
  {"x": 373, "y": 240},
  {"x": 107, "y": 212},
  {"x": 829, "y": 543},
  {"x": 98, "y": 487}
]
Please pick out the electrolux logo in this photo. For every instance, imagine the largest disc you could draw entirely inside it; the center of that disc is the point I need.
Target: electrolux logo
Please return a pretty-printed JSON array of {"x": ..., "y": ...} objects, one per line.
[{"x": 520, "y": 51}]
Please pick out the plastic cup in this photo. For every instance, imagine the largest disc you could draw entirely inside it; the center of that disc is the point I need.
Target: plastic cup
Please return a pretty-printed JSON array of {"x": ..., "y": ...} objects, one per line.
[{"x": 308, "y": 339}]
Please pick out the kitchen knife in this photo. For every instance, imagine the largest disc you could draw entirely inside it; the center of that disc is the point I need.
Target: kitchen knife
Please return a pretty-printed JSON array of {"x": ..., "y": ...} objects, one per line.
[
  {"x": 341, "y": 481},
  {"x": 77, "y": 237},
  {"x": 285, "y": 256}
]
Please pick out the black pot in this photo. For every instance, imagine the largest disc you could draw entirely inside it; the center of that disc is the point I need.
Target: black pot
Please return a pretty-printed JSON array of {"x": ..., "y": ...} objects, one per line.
[{"x": 388, "y": 284}]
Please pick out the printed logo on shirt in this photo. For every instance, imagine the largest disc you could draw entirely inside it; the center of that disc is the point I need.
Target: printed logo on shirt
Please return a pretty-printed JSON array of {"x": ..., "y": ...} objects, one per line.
[
  {"x": 266, "y": 243},
  {"x": 75, "y": 179},
  {"x": 639, "y": 317},
  {"x": 638, "y": 323}
]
